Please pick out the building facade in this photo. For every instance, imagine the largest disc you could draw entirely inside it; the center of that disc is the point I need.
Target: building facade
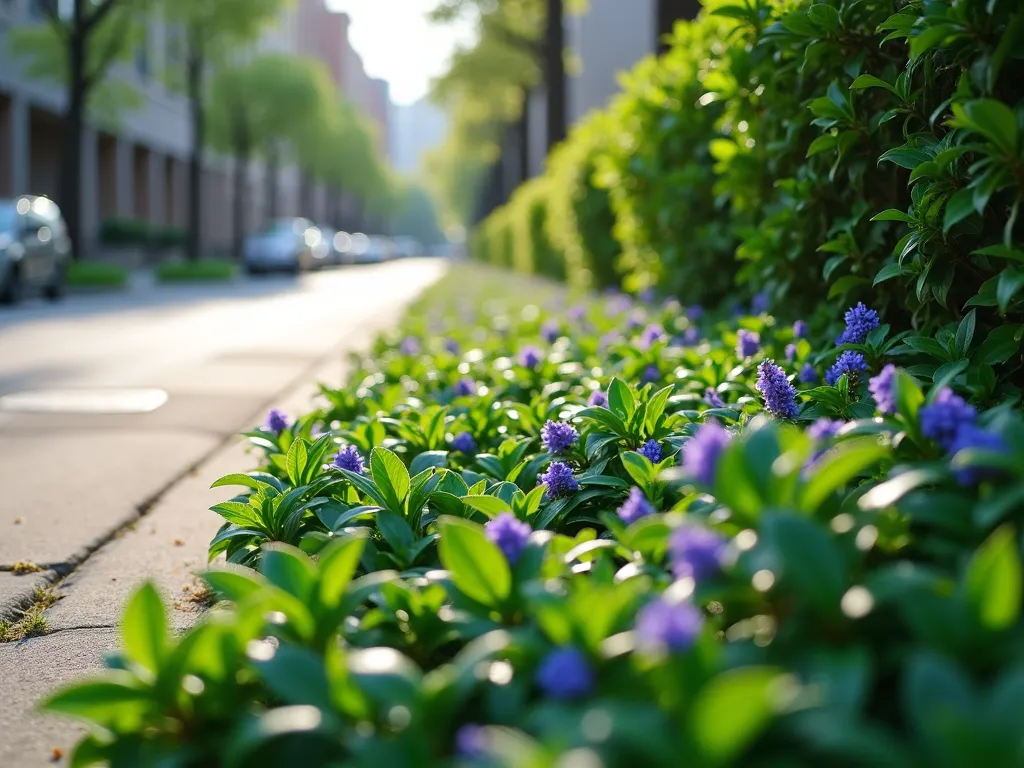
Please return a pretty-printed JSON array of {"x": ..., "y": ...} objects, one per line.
[{"x": 135, "y": 166}]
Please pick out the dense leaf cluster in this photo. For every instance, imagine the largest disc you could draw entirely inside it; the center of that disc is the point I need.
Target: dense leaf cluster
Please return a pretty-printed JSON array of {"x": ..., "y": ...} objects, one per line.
[
  {"x": 838, "y": 148},
  {"x": 708, "y": 586}
]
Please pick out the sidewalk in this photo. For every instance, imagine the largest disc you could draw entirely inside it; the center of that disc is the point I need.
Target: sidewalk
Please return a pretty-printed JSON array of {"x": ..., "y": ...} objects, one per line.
[{"x": 167, "y": 544}]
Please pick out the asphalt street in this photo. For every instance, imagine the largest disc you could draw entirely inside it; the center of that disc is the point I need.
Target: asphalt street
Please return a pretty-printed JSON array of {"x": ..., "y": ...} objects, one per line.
[{"x": 207, "y": 359}]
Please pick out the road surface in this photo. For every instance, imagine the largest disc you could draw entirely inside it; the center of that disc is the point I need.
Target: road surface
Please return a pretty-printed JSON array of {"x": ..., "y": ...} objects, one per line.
[{"x": 220, "y": 354}]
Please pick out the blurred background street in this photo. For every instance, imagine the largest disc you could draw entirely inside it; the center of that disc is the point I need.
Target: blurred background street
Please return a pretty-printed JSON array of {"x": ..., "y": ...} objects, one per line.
[{"x": 198, "y": 363}]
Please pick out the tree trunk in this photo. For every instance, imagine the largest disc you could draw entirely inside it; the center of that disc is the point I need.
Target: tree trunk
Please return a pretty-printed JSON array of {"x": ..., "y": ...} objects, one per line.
[
  {"x": 70, "y": 188},
  {"x": 242, "y": 153},
  {"x": 195, "y": 170},
  {"x": 524, "y": 139},
  {"x": 554, "y": 75},
  {"x": 271, "y": 170}
]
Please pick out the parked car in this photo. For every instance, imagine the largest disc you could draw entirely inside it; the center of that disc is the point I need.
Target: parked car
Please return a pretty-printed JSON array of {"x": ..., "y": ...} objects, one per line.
[
  {"x": 341, "y": 248},
  {"x": 287, "y": 245},
  {"x": 34, "y": 248}
]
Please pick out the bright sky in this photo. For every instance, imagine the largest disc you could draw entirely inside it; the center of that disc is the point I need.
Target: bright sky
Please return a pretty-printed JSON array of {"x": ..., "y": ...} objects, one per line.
[{"x": 398, "y": 43}]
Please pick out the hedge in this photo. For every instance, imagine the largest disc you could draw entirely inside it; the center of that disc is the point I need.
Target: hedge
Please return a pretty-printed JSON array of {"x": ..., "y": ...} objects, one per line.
[{"x": 813, "y": 150}]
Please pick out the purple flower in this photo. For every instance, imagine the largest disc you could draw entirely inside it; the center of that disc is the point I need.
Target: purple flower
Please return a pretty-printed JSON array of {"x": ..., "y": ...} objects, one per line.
[
  {"x": 695, "y": 313},
  {"x": 691, "y": 337},
  {"x": 695, "y": 552},
  {"x": 559, "y": 480},
  {"x": 712, "y": 398},
  {"x": 635, "y": 320},
  {"x": 849, "y": 363},
  {"x": 760, "y": 303},
  {"x": 800, "y": 329},
  {"x": 348, "y": 458},
  {"x": 883, "y": 390},
  {"x": 790, "y": 352},
  {"x": 672, "y": 626},
  {"x": 550, "y": 331},
  {"x": 646, "y": 295},
  {"x": 821, "y": 432},
  {"x": 779, "y": 395},
  {"x": 558, "y": 437},
  {"x": 824, "y": 429},
  {"x": 652, "y": 333},
  {"x": 945, "y": 416},
  {"x": 565, "y": 673},
  {"x": 577, "y": 312},
  {"x": 702, "y": 452},
  {"x": 807, "y": 374},
  {"x": 471, "y": 741},
  {"x": 635, "y": 506},
  {"x": 971, "y": 437},
  {"x": 530, "y": 357},
  {"x": 860, "y": 321},
  {"x": 410, "y": 346},
  {"x": 651, "y": 450},
  {"x": 464, "y": 443},
  {"x": 598, "y": 399},
  {"x": 612, "y": 337},
  {"x": 277, "y": 421},
  {"x": 452, "y": 346},
  {"x": 650, "y": 375},
  {"x": 509, "y": 534},
  {"x": 748, "y": 342},
  {"x": 465, "y": 387}
]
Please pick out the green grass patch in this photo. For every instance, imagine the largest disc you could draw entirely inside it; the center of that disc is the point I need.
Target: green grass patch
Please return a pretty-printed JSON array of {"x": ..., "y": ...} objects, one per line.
[
  {"x": 96, "y": 274},
  {"x": 204, "y": 269}
]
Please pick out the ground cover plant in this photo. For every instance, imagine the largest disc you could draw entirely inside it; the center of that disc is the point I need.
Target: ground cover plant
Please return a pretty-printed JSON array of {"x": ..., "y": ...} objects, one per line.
[{"x": 536, "y": 531}]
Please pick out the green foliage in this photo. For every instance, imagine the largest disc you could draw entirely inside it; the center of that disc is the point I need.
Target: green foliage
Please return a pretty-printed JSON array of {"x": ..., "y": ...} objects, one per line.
[
  {"x": 112, "y": 41},
  {"x": 862, "y": 605},
  {"x": 96, "y": 274},
  {"x": 417, "y": 217},
  {"x": 580, "y": 217},
  {"x": 203, "y": 269},
  {"x": 848, "y": 150},
  {"x": 531, "y": 250}
]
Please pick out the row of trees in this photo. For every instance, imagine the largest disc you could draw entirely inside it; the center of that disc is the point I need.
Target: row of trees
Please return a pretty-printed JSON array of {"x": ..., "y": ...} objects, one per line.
[
  {"x": 520, "y": 45},
  {"x": 278, "y": 107}
]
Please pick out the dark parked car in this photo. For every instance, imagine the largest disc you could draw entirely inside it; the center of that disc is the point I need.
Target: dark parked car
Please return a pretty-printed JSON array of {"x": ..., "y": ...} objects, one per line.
[{"x": 34, "y": 248}]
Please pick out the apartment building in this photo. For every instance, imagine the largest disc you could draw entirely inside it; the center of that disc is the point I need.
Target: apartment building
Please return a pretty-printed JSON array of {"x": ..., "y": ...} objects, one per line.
[{"x": 135, "y": 167}]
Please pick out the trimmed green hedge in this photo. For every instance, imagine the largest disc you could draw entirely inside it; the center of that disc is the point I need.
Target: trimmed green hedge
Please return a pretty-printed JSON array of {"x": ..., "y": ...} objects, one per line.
[
  {"x": 204, "y": 269},
  {"x": 94, "y": 274},
  {"x": 811, "y": 151}
]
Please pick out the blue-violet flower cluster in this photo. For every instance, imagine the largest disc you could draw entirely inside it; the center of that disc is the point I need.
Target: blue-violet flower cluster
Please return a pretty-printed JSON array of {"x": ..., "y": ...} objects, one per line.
[
  {"x": 509, "y": 534},
  {"x": 558, "y": 437},
  {"x": 779, "y": 395},
  {"x": 559, "y": 480}
]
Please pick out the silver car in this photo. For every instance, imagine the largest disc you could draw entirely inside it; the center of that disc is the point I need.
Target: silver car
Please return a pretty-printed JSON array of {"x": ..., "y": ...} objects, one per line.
[
  {"x": 288, "y": 245},
  {"x": 34, "y": 248}
]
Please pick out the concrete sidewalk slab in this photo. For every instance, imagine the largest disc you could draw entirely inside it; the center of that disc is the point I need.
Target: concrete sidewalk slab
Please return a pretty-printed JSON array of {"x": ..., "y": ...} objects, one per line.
[
  {"x": 168, "y": 546},
  {"x": 33, "y": 669},
  {"x": 17, "y": 591},
  {"x": 59, "y": 528}
]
